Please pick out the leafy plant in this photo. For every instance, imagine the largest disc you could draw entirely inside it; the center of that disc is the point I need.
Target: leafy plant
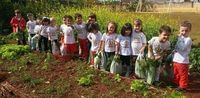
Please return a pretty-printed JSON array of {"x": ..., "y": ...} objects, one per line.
[
  {"x": 175, "y": 94},
  {"x": 117, "y": 78},
  {"x": 139, "y": 86},
  {"x": 195, "y": 59},
  {"x": 85, "y": 81}
]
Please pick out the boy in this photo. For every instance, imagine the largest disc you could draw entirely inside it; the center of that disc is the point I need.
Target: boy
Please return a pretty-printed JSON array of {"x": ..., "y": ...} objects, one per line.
[
  {"x": 158, "y": 49},
  {"x": 30, "y": 25},
  {"x": 18, "y": 24},
  {"x": 181, "y": 58}
]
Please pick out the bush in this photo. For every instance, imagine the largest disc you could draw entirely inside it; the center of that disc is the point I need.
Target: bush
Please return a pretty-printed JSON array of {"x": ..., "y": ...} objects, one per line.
[{"x": 195, "y": 59}]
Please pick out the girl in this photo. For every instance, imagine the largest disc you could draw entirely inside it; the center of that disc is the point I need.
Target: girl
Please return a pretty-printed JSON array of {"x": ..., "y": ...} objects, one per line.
[
  {"x": 30, "y": 25},
  {"x": 43, "y": 40},
  {"x": 68, "y": 47},
  {"x": 94, "y": 37},
  {"x": 107, "y": 44},
  {"x": 138, "y": 40},
  {"x": 80, "y": 27},
  {"x": 53, "y": 37},
  {"x": 123, "y": 47}
]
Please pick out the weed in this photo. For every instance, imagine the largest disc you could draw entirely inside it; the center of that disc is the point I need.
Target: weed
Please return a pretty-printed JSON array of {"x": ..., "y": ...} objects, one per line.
[
  {"x": 139, "y": 86},
  {"x": 85, "y": 81},
  {"x": 175, "y": 94},
  {"x": 117, "y": 78}
]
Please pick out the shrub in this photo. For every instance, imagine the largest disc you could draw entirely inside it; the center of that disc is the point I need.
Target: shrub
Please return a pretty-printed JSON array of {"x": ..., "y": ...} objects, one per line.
[
  {"x": 85, "y": 81},
  {"x": 195, "y": 59}
]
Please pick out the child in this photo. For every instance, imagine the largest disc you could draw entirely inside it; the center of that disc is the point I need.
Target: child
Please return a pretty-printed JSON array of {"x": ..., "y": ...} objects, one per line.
[
  {"x": 68, "y": 47},
  {"x": 30, "y": 25},
  {"x": 53, "y": 37},
  {"x": 138, "y": 41},
  {"x": 94, "y": 37},
  {"x": 80, "y": 27},
  {"x": 107, "y": 44},
  {"x": 181, "y": 58},
  {"x": 158, "y": 49},
  {"x": 43, "y": 40},
  {"x": 18, "y": 24},
  {"x": 37, "y": 33},
  {"x": 123, "y": 47},
  {"x": 92, "y": 19}
]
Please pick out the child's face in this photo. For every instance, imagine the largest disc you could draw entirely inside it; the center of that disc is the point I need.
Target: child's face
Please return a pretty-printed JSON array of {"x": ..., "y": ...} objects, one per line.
[
  {"x": 184, "y": 31},
  {"x": 137, "y": 28},
  {"x": 127, "y": 32},
  {"x": 91, "y": 20},
  {"x": 68, "y": 21},
  {"x": 38, "y": 21},
  {"x": 18, "y": 14},
  {"x": 79, "y": 20},
  {"x": 52, "y": 22},
  {"x": 45, "y": 23},
  {"x": 164, "y": 36},
  {"x": 30, "y": 17},
  {"x": 94, "y": 31},
  {"x": 111, "y": 28}
]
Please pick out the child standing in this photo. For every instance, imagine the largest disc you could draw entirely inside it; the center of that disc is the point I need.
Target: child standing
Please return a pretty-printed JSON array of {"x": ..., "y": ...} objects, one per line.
[
  {"x": 69, "y": 45},
  {"x": 138, "y": 41},
  {"x": 30, "y": 25},
  {"x": 18, "y": 24},
  {"x": 181, "y": 58},
  {"x": 53, "y": 37},
  {"x": 94, "y": 37},
  {"x": 158, "y": 49},
  {"x": 80, "y": 27},
  {"x": 107, "y": 44},
  {"x": 123, "y": 47},
  {"x": 43, "y": 39},
  {"x": 37, "y": 33}
]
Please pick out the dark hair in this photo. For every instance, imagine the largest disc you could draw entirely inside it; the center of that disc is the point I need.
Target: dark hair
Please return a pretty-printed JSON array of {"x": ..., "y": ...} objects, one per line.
[
  {"x": 126, "y": 26},
  {"x": 165, "y": 28},
  {"x": 114, "y": 23},
  {"x": 68, "y": 16},
  {"x": 93, "y": 26},
  {"x": 186, "y": 24},
  {"x": 93, "y": 15},
  {"x": 45, "y": 20},
  {"x": 77, "y": 15}
]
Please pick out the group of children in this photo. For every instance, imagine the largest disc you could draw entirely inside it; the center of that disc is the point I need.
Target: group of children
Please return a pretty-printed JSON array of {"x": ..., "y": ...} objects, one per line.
[{"x": 85, "y": 40}]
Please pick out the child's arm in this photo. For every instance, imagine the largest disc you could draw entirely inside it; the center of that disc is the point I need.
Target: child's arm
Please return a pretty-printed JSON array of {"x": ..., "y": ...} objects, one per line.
[
  {"x": 101, "y": 46},
  {"x": 184, "y": 46},
  {"x": 150, "y": 52},
  {"x": 89, "y": 37},
  {"x": 143, "y": 47}
]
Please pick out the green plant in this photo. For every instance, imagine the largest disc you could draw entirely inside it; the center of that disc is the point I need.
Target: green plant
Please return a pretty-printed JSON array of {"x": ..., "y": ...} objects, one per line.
[
  {"x": 27, "y": 78},
  {"x": 85, "y": 81},
  {"x": 117, "y": 78},
  {"x": 139, "y": 86},
  {"x": 175, "y": 94},
  {"x": 195, "y": 59}
]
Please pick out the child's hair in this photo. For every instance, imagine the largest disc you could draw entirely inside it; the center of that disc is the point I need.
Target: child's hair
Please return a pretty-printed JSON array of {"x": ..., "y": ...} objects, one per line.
[
  {"x": 126, "y": 26},
  {"x": 186, "y": 24},
  {"x": 114, "y": 23},
  {"x": 68, "y": 16},
  {"x": 138, "y": 22},
  {"x": 38, "y": 22},
  {"x": 77, "y": 15},
  {"x": 45, "y": 19},
  {"x": 17, "y": 11},
  {"x": 93, "y": 15},
  {"x": 92, "y": 26},
  {"x": 165, "y": 28},
  {"x": 29, "y": 14}
]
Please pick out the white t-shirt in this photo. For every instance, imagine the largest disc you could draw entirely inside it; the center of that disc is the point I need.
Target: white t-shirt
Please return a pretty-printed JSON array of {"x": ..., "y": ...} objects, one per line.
[
  {"x": 125, "y": 45},
  {"x": 157, "y": 46},
  {"x": 183, "y": 47},
  {"x": 52, "y": 33},
  {"x": 43, "y": 31},
  {"x": 95, "y": 40},
  {"x": 109, "y": 42},
  {"x": 37, "y": 29},
  {"x": 81, "y": 30},
  {"x": 68, "y": 34},
  {"x": 31, "y": 26},
  {"x": 137, "y": 39}
]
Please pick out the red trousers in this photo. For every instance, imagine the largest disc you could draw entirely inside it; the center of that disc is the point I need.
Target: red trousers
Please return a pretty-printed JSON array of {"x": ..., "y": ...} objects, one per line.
[
  {"x": 181, "y": 74},
  {"x": 84, "y": 48},
  {"x": 70, "y": 50}
]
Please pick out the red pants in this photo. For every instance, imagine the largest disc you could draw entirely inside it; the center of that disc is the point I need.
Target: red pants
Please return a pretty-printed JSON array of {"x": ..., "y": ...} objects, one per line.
[
  {"x": 181, "y": 74},
  {"x": 93, "y": 54},
  {"x": 84, "y": 48},
  {"x": 70, "y": 50}
]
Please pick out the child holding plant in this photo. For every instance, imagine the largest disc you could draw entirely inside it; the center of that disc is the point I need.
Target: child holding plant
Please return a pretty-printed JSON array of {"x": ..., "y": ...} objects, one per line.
[
  {"x": 158, "y": 49},
  {"x": 94, "y": 37},
  {"x": 69, "y": 45},
  {"x": 80, "y": 27},
  {"x": 53, "y": 37},
  {"x": 181, "y": 58},
  {"x": 138, "y": 42},
  {"x": 123, "y": 47},
  {"x": 30, "y": 25},
  {"x": 107, "y": 44}
]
